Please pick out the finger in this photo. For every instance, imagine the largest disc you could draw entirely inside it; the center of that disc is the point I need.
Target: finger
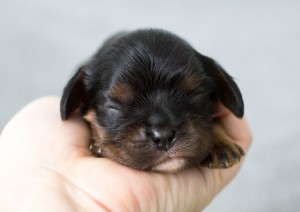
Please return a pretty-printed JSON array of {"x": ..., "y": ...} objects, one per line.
[
  {"x": 236, "y": 128},
  {"x": 221, "y": 110},
  {"x": 116, "y": 186}
]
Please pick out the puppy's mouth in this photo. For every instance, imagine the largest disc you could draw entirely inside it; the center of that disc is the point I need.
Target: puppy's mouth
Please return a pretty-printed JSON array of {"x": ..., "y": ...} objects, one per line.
[{"x": 170, "y": 165}]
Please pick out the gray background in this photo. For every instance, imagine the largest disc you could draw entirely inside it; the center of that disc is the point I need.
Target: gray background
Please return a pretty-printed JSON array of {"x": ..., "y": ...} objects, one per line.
[{"x": 258, "y": 42}]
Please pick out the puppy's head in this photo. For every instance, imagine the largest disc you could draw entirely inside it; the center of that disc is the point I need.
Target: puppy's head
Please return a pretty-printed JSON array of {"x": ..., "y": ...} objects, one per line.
[{"x": 150, "y": 98}]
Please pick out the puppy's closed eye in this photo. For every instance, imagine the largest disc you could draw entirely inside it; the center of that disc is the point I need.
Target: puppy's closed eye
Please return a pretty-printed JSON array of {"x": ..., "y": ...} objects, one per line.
[
  {"x": 149, "y": 98},
  {"x": 114, "y": 108}
]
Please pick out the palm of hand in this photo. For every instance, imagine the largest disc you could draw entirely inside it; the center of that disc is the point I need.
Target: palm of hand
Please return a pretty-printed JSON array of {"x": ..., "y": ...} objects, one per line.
[{"x": 48, "y": 165}]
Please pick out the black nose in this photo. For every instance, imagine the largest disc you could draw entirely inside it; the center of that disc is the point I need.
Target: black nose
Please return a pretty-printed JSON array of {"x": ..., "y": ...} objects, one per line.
[{"x": 163, "y": 138}]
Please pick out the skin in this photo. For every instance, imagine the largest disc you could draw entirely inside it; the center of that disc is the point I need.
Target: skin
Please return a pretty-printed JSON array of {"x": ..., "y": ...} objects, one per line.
[{"x": 45, "y": 165}]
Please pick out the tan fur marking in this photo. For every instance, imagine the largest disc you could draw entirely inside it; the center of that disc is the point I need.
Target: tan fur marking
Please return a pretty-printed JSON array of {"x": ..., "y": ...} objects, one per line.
[
  {"x": 98, "y": 133},
  {"x": 122, "y": 92},
  {"x": 190, "y": 82}
]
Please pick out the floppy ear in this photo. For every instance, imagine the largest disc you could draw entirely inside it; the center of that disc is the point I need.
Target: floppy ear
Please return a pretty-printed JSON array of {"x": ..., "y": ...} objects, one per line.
[
  {"x": 226, "y": 89},
  {"x": 74, "y": 95}
]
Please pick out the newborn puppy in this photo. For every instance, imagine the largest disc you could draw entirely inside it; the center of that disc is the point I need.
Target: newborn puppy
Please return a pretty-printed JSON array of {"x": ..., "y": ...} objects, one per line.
[{"x": 150, "y": 98}]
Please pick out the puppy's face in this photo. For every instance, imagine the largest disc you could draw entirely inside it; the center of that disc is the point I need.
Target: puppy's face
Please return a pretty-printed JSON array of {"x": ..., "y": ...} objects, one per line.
[
  {"x": 149, "y": 98},
  {"x": 159, "y": 123}
]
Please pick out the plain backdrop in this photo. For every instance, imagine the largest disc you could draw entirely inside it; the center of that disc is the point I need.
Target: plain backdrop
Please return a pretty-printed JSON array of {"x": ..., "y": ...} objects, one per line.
[{"x": 258, "y": 42}]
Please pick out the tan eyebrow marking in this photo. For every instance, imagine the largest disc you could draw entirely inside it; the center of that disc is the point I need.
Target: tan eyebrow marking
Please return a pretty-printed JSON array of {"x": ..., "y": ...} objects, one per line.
[
  {"x": 122, "y": 92},
  {"x": 190, "y": 82}
]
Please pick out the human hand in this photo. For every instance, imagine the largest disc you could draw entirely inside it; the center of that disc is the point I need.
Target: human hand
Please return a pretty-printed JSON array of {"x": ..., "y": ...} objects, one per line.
[{"x": 46, "y": 165}]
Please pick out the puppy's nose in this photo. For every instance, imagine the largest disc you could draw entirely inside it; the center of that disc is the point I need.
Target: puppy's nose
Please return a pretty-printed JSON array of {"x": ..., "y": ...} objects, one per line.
[{"x": 163, "y": 138}]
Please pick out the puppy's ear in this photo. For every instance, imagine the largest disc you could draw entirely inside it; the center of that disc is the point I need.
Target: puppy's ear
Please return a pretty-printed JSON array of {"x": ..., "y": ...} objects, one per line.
[
  {"x": 74, "y": 95},
  {"x": 226, "y": 89}
]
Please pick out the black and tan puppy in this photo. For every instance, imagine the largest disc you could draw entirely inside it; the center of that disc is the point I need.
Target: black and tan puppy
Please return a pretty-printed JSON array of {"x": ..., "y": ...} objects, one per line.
[{"x": 149, "y": 98}]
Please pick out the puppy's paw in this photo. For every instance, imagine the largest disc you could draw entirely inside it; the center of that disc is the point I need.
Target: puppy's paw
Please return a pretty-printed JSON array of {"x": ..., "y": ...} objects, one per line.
[
  {"x": 96, "y": 150},
  {"x": 224, "y": 154}
]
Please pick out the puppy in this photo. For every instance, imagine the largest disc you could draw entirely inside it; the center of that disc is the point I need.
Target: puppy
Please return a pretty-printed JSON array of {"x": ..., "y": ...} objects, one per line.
[{"x": 150, "y": 98}]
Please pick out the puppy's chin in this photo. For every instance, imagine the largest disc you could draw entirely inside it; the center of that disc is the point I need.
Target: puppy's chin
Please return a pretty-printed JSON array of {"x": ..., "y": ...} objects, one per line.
[{"x": 170, "y": 165}]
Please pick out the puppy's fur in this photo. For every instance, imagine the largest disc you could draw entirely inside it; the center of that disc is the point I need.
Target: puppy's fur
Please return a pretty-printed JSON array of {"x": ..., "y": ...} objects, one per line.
[{"x": 149, "y": 98}]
